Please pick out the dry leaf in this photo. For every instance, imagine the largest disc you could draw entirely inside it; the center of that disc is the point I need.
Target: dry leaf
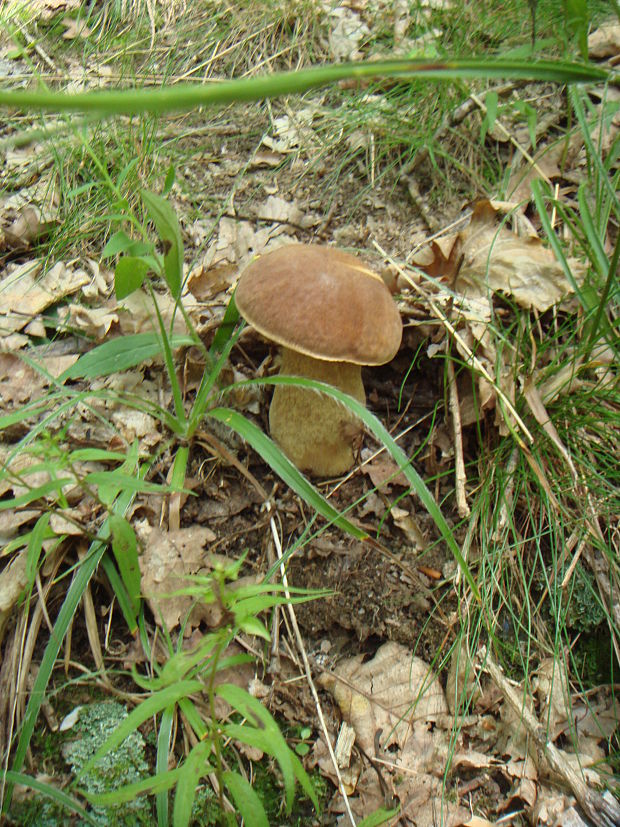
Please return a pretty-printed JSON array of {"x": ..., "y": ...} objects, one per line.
[
  {"x": 28, "y": 227},
  {"x": 396, "y": 694},
  {"x": 75, "y": 27},
  {"x": 24, "y": 295},
  {"x": 605, "y": 41},
  {"x": 496, "y": 259},
  {"x": 551, "y": 687},
  {"x": 166, "y": 559}
]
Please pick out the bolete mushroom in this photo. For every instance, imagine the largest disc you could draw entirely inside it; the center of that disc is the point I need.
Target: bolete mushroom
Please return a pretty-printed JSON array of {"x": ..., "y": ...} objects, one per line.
[{"x": 331, "y": 314}]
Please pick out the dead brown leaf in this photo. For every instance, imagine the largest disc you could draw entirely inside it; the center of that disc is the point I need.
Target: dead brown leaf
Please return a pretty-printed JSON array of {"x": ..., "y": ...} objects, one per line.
[
  {"x": 392, "y": 697},
  {"x": 23, "y": 294},
  {"x": 605, "y": 41},
  {"x": 166, "y": 559}
]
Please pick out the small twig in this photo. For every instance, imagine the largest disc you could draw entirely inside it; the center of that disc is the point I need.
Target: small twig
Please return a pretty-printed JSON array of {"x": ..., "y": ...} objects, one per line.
[
  {"x": 601, "y": 810},
  {"x": 460, "y": 477},
  {"x": 308, "y": 670}
]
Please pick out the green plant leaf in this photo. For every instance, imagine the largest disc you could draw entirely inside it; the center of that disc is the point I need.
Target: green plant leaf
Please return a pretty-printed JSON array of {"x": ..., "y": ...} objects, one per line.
[
  {"x": 150, "y": 706},
  {"x": 36, "y": 493},
  {"x": 260, "y": 731},
  {"x": 195, "y": 766},
  {"x": 169, "y": 180},
  {"x": 120, "y": 592},
  {"x": 274, "y": 457},
  {"x": 154, "y": 784},
  {"x": 164, "y": 735},
  {"x": 167, "y": 225},
  {"x": 49, "y": 791},
  {"x": 64, "y": 618},
  {"x": 125, "y": 548},
  {"x": 246, "y": 800},
  {"x": 39, "y": 533},
  {"x": 119, "y": 354},
  {"x": 129, "y": 274},
  {"x": 380, "y": 816},
  {"x": 189, "y": 96},
  {"x": 120, "y": 242}
]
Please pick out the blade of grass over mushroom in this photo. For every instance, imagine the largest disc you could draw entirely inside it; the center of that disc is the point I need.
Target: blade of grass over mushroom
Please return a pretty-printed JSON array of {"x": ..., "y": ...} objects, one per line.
[
  {"x": 274, "y": 457},
  {"x": 189, "y": 96},
  {"x": 404, "y": 464}
]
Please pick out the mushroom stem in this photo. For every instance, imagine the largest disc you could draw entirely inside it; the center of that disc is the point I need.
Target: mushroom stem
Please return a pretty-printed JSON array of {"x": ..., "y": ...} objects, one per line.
[{"x": 316, "y": 432}]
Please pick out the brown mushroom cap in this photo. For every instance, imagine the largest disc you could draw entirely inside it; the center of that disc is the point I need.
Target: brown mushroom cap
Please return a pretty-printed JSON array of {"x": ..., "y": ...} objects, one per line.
[{"x": 321, "y": 302}]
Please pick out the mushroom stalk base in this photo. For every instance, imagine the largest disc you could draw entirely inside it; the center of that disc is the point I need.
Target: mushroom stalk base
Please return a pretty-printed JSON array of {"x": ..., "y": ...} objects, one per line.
[{"x": 319, "y": 434}]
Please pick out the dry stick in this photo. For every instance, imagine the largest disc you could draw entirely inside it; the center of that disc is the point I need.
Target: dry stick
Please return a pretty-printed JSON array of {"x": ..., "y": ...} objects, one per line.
[
  {"x": 601, "y": 810},
  {"x": 304, "y": 655},
  {"x": 460, "y": 478},
  {"x": 471, "y": 357}
]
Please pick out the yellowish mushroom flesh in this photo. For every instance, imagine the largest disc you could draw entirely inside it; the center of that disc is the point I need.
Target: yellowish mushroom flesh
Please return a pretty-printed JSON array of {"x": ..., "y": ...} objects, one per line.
[{"x": 317, "y": 433}]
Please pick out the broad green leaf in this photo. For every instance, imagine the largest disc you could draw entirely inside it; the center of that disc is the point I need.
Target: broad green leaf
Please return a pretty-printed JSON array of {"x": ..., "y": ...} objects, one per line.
[
  {"x": 125, "y": 548},
  {"x": 129, "y": 274},
  {"x": 260, "y": 731},
  {"x": 126, "y": 482},
  {"x": 120, "y": 242},
  {"x": 380, "y": 816},
  {"x": 169, "y": 180},
  {"x": 195, "y": 766},
  {"x": 36, "y": 493},
  {"x": 246, "y": 800},
  {"x": 96, "y": 455},
  {"x": 155, "y": 784},
  {"x": 120, "y": 353},
  {"x": 226, "y": 329},
  {"x": 253, "y": 626},
  {"x": 167, "y": 225}
]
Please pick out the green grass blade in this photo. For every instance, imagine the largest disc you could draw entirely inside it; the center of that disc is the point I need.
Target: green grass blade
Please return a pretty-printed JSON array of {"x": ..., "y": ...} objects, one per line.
[
  {"x": 60, "y": 797},
  {"x": 246, "y": 800},
  {"x": 120, "y": 592},
  {"x": 36, "y": 493},
  {"x": 164, "y": 734},
  {"x": 189, "y": 96},
  {"x": 193, "y": 768},
  {"x": 119, "y": 354},
  {"x": 274, "y": 457},
  {"x": 155, "y": 784}
]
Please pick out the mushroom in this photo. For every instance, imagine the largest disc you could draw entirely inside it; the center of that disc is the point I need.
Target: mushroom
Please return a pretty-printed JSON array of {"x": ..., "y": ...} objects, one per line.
[{"x": 331, "y": 314}]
